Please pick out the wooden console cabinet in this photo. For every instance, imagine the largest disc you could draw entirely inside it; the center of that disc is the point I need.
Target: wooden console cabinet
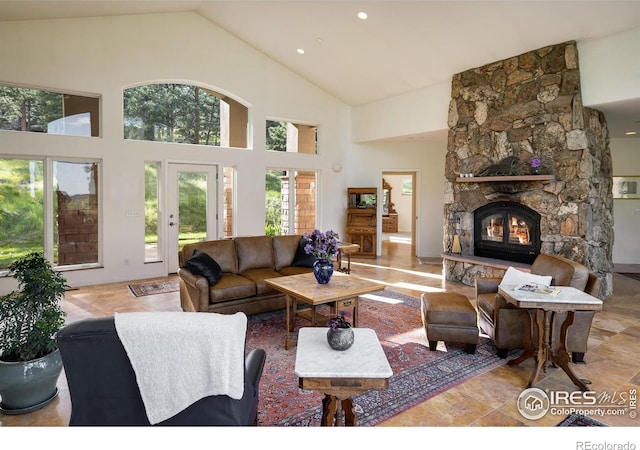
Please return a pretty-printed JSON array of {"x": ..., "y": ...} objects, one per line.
[
  {"x": 361, "y": 220},
  {"x": 390, "y": 223},
  {"x": 389, "y": 214}
]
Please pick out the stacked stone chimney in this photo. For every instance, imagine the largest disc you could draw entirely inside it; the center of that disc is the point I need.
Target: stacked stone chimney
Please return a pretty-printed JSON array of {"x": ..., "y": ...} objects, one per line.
[{"x": 530, "y": 106}]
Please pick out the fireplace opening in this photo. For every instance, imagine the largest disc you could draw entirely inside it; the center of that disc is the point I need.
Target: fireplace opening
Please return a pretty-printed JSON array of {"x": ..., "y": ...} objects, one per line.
[{"x": 506, "y": 230}]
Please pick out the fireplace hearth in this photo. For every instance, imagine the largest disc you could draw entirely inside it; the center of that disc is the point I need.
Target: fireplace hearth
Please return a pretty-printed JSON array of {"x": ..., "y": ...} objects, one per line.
[{"x": 508, "y": 231}]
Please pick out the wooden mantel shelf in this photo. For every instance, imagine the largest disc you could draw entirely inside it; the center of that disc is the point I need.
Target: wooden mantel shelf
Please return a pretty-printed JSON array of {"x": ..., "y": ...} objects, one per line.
[{"x": 506, "y": 178}]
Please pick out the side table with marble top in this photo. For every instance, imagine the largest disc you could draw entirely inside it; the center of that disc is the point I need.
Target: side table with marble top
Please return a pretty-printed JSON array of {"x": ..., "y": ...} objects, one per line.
[{"x": 341, "y": 374}]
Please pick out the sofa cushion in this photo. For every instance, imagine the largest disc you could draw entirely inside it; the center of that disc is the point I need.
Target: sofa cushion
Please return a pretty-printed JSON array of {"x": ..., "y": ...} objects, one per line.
[
  {"x": 223, "y": 251},
  {"x": 231, "y": 287},
  {"x": 201, "y": 263},
  {"x": 284, "y": 250},
  {"x": 302, "y": 258},
  {"x": 254, "y": 252},
  {"x": 258, "y": 276}
]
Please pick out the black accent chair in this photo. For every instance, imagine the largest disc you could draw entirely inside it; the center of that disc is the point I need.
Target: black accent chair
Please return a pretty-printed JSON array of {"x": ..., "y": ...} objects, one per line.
[{"x": 104, "y": 391}]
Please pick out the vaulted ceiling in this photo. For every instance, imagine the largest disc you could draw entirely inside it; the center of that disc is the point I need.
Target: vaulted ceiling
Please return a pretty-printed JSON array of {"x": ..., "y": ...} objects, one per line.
[{"x": 401, "y": 46}]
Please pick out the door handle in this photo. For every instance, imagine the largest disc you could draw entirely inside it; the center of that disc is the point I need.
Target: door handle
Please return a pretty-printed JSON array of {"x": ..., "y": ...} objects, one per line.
[{"x": 172, "y": 224}]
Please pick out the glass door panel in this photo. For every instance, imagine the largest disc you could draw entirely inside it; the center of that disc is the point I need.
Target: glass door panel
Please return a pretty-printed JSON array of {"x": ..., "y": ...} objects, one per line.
[{"x": 192, "y": 207}]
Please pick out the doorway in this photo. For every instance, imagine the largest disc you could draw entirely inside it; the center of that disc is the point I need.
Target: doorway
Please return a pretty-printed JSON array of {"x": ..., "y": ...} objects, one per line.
[
  {"x": 398, "y": 213},
  {"x": 191, "y": 207}
]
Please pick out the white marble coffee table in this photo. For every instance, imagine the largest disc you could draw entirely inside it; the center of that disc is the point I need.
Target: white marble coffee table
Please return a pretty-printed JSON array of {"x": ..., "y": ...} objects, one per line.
[{"x": 340, "y": 374}]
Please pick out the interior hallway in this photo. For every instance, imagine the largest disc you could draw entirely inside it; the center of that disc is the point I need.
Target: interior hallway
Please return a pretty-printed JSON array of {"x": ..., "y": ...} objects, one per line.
[{"x": 613, "y": 360}]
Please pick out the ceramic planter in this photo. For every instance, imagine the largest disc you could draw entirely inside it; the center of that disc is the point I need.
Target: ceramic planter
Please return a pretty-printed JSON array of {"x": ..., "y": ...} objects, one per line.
[
  {"x": 28, "y": 386},
  {"x": 341, "y": 338}
]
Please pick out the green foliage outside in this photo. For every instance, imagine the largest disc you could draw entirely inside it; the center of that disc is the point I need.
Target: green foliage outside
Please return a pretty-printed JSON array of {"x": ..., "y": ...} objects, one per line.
[
  {"x": 276, "y": 139},
  {"x": 172, "y": 113},
  {"x": 151, "y": 203},
  {"x": 28, "y": 109},
  {"x": 21, "y": 209},
  {"x": 273, "y": 203}
]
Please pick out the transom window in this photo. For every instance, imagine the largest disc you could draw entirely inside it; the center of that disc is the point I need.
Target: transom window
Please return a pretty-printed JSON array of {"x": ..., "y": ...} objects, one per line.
[
  {"x": 291, "y": 137},
  {"x": 38, "y": 111},
  {"x": 183, "y": 113}
]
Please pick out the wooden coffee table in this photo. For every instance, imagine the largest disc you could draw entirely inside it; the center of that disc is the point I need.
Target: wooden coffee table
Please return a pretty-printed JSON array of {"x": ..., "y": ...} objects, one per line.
[
  {"x": 341, "y": 293},
  {"x": 341, "y": 374}
]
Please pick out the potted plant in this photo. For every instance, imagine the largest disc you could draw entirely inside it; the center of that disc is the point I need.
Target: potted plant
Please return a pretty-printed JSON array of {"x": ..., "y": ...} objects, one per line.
[
  {"x": 323, "y": 246},
  {"x": 340, "y": 334},
  {"x": 30, "y": 317}
]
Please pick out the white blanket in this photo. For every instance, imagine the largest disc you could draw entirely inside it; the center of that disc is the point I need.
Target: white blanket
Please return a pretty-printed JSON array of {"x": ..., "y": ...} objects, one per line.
[{"x": 181, "y": 357}]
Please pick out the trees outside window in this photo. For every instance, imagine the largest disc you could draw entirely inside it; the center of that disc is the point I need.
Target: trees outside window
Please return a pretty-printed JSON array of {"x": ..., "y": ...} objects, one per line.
[
  {"x": 34, "y": 110},
  {"x": 291, "y": 137},
  {"x": 182, "y": 113}
]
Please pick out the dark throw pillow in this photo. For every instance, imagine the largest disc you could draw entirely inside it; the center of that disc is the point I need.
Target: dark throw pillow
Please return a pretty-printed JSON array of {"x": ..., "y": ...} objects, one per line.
[
  {"x": 201, "y": 263},
  {"x": 302, "y": 258}
]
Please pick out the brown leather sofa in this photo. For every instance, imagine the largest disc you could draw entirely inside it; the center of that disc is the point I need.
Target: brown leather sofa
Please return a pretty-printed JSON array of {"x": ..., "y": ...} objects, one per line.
[
  {"x": 506, "y": 325},
  {"x": 245, "y": 262}
]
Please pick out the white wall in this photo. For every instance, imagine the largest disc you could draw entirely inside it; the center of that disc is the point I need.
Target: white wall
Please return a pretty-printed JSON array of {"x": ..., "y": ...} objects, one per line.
[
  {"x": 626, "y": 212},
  {"x": 104, "y": 55},
  {"x": 609, "y": 68},
  {"x": 421, "y": 111},
  {"x": 368, "y": 161}
]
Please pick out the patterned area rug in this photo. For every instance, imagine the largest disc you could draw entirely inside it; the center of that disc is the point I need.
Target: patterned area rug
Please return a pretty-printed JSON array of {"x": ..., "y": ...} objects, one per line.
[
  {"x": 578, "y": 420},
  {"x": 419, "y": 374},
  {"x": 152, "y": 288}
]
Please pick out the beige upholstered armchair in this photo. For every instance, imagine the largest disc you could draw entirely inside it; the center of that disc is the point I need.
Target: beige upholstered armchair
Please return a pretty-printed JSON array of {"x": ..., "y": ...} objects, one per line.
[{"x": 507, "y": 325}]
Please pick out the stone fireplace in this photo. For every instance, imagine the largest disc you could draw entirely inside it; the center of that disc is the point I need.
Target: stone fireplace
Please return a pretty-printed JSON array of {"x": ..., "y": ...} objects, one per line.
[{"x": 519, "y": 109}]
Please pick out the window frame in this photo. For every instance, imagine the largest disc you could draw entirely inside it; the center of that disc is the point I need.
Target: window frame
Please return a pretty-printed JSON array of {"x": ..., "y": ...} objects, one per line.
[{"x": 48, "y": 208}]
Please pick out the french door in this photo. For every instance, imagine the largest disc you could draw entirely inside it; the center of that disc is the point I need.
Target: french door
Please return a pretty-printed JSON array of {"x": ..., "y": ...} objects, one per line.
[{"x": 191, "y": 207}]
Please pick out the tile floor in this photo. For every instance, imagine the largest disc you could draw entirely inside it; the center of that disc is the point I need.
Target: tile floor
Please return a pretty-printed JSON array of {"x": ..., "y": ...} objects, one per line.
[{"x": 613, "y": 360}]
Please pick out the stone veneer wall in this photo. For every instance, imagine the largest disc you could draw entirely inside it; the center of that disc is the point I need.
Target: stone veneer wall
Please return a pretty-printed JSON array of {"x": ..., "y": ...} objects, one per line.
[{"x": 530, "y": 105}]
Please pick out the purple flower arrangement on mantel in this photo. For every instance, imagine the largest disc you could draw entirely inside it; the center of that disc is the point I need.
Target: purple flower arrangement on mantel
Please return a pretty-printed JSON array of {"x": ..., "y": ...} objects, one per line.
[{"x": 535, "y": 165}]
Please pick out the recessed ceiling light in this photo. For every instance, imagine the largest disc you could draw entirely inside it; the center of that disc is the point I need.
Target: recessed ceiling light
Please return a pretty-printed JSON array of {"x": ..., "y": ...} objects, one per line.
[
  {"x": 631, "y": 133},
  {"x": 301, "y": 51},
  {"x": 362, "y": 15}
]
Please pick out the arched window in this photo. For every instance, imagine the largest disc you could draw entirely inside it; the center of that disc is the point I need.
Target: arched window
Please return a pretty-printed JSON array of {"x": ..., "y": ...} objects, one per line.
[{"x": 183, "y": 113}]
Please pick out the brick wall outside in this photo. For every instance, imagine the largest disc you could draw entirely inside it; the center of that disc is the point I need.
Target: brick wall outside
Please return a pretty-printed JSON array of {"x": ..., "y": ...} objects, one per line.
[{"x": 77, "y": 229}]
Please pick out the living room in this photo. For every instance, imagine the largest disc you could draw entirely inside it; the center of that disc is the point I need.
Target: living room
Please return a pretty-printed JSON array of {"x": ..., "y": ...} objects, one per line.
[
  {"x": 357, "y": 143},
  {"x": 346, "y": 136}
]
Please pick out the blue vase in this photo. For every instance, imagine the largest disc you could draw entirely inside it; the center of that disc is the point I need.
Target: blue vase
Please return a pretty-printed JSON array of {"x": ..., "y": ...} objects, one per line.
[{"x": 323, "y": 269}]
